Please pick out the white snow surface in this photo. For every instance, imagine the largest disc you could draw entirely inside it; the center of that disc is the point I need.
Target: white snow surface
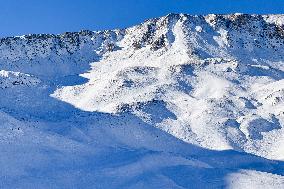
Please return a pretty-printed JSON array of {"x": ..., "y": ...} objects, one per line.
[{"x": 180, "y": 101}]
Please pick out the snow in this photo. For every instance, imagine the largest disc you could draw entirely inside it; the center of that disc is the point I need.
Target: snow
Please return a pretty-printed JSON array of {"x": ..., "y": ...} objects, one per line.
[
  {"x": 198, "y": 28},
  {"x": 179, "y": 101},
  {"x": 254, "y": 179}
]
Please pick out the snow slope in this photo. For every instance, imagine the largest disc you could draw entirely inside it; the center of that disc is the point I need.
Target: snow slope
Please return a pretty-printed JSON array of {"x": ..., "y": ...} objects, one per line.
[{"x": 179, "y": 101}]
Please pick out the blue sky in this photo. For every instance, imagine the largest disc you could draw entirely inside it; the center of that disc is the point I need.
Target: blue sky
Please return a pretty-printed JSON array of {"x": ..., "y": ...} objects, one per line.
[{"x": 19, "y": 17}]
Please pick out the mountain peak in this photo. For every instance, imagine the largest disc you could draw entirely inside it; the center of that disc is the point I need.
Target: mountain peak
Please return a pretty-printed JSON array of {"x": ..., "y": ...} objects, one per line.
[
  {"x": 141, "y": 107},
  {"x": 225, "y": 33}
]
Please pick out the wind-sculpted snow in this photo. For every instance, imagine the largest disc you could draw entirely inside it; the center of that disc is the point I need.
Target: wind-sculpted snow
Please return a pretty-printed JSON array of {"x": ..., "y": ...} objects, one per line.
[{"x": 179, "y": 101}]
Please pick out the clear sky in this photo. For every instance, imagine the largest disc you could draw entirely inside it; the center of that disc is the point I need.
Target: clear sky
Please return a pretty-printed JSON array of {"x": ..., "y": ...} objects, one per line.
[{"x": 19, "y": 17}]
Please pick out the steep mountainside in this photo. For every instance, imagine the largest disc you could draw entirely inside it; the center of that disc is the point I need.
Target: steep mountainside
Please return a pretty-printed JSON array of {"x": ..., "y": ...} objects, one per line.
[{"x": 179, "y": 101}]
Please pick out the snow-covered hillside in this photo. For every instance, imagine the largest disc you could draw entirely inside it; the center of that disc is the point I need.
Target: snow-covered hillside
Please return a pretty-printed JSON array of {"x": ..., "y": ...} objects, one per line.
[{"x": 179, "y": 101}]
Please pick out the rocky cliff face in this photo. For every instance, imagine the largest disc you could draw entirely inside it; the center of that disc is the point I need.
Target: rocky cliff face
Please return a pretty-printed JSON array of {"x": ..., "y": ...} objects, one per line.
[{"x": 189, "y": 91}]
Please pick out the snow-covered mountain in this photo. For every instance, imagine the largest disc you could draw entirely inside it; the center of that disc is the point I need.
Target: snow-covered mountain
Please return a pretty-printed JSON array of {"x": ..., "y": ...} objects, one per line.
[{"x": 179, "y": 101}]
